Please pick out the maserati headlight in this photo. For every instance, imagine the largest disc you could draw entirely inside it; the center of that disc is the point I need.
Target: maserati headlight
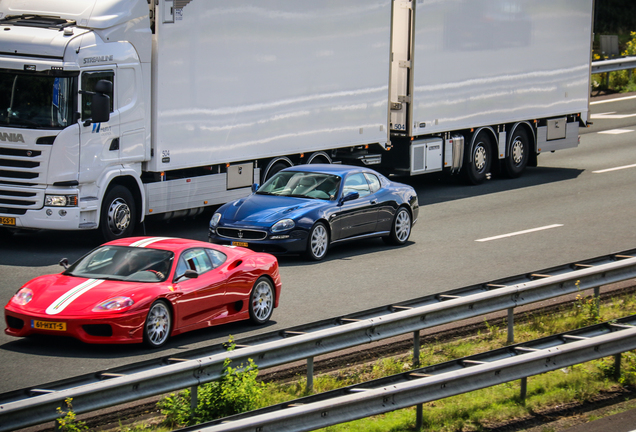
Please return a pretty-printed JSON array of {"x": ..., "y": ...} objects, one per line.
[
  {"x": 114, "y": 304},
  {"x": 60, "y": 200},
  {"x": 283, "y": 225},
  {"x": 215, "y": 219}
]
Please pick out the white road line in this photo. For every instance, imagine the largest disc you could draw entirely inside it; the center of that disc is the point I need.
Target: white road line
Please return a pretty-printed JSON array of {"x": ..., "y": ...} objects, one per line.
[
  {"x": 612, "y": 100},
  {"x": 616, "y": 131},
  {"x": 611, "y": 115},
  {"x": 614, "y": 169},
  {"x": 519, "y": 233}
]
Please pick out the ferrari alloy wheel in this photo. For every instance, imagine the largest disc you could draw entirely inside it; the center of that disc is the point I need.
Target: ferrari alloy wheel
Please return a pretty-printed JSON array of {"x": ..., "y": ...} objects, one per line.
[
  {"x": 401, "y": 229},
  {"x": 262, "y": 301},
  {"x": 318, "y": 242},
  {"x": 158, "y": 324}
]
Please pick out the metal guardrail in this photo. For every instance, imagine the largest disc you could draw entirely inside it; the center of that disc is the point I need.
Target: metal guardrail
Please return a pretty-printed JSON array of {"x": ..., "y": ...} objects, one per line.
[
  {"x": 35, "y": 406},
  {"x": 613, "y": 65},
  {"x": 435, "y": 382}
]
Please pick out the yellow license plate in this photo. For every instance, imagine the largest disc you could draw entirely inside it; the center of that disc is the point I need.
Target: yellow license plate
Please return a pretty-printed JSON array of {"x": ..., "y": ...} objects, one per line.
[
  {"x": 7, "y": 221},
  {"x": 241, "y": 244},
  {"x": 48, "y": 325}
]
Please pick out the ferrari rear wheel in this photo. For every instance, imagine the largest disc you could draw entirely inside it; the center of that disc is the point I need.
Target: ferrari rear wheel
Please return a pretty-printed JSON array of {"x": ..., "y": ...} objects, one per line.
[
  {"x": 318, "y": 242},
  {"x": 401, "y": 229},
  {"x": 262, "y": 301},
  {"x": 158, "y": 325}
]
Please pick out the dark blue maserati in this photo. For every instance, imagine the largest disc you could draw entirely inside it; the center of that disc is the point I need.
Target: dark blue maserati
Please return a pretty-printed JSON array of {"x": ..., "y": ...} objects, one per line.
[{"x": 307, "y": 208}]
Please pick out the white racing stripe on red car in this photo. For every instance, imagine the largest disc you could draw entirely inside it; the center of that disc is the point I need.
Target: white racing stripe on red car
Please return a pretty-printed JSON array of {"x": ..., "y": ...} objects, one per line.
[
  {"x": 67, "y": 298},
  {"x": 148, "y": 241}
]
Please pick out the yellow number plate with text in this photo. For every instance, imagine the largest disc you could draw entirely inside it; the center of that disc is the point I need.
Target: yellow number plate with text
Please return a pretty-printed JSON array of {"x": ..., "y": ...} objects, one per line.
[
  {"x": 7, "y": 221},
  {"x": 241, "y": 244},
  {"x": 48, "y": 325}
]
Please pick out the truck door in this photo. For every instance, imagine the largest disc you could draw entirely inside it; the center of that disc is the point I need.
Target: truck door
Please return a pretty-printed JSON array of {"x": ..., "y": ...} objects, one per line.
[{"x": 99, "y": 142}]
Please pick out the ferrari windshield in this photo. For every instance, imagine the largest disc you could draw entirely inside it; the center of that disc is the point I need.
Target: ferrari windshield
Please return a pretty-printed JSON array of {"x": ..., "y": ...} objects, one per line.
[
  {"x": 35, "y": 100},
  {"x": 302, "y": 184},
  {"x": 124, "y": 263}
]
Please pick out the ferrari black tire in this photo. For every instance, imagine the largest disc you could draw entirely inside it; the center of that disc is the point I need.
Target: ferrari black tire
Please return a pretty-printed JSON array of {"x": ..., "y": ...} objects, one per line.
[
  {"x": 400, "y": 228},
  {"x": 318, "y": 242},
  {"x": 118, "y": 215},
  {"x": 262, "y": 301},
  {"x": 518, "y": 154},
  {"x": 158, "y": 324}
]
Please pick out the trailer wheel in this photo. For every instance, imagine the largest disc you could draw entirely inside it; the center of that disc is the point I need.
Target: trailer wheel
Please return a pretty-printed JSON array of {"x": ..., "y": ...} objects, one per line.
[
  {"x": 118, "y": 215},
  {"x": 518, "y": 153},
  {"x": 479, "y": 160}
]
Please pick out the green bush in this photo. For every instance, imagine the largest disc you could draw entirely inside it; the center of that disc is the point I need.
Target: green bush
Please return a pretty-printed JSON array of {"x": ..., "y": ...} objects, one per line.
[{"x": 235, "y": 392}]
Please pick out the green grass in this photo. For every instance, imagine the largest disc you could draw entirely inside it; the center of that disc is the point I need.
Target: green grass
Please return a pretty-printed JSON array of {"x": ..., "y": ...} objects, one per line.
[{"x": 480, "y": 409}]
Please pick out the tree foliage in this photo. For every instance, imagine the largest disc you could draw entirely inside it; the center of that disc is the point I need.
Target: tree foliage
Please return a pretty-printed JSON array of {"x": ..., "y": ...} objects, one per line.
[{"x": 614, "y": 16}]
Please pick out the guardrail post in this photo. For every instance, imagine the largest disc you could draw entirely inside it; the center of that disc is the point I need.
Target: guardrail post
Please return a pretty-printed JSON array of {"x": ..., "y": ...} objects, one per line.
[
  {"x": 310, "y": 374},
  {"x": 194, "y": 399},
  {"x": 597, "y": 300},
  {"x": 617, "y": 366},
  {"x": 524, "y": 390},
  {"x": 511, "y": 325},
  {"x": 419, "y": 408}
]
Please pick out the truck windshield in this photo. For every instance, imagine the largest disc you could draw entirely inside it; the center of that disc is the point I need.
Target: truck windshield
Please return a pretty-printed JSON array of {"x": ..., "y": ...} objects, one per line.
[{"x": 35, "y": 100}]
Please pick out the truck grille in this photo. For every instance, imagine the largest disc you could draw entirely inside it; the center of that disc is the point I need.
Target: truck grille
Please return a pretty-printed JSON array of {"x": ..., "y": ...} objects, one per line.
[
  {"x": 18, "y": 165},
  {"x": 15, "y": 199},
  {"x": 242, "y": 234}
]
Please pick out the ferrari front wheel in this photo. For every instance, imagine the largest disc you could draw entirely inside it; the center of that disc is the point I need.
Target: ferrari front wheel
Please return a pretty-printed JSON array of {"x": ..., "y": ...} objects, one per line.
[
  {"x": 158, "y": 324},
  {"x": 262, "y": 301}
]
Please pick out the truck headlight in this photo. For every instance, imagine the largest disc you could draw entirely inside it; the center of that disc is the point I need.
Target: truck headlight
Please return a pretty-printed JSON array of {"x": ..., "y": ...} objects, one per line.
[{"x": 60, "y": 200}]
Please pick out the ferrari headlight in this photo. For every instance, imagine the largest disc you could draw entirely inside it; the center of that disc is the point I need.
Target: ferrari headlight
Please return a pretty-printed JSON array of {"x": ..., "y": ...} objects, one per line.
[
  {"x": 283, "y": 225},
  {"x": 23, "y": 296},
  {"x": 60, "y": 200},
  {"x": 114, "y": 304},
  {"x": 216, "y": 218}
]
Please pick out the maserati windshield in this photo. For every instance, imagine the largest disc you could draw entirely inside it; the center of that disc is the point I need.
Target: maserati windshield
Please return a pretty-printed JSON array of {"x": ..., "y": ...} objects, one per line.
[
  {"x": 35, "y": 100},
  {"x": 302, "y": 184}
]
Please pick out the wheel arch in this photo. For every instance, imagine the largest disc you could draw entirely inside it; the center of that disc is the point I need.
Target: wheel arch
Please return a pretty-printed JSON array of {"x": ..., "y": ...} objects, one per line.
[
  {"x": 493, "y": 136},
  {"x": 282, "y": 159},
  {"x": 134, "y": 185}
]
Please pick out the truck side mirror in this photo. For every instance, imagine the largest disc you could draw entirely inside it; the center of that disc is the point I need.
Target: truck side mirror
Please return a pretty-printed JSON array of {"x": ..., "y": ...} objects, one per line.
[{"x": 100, "y": 107}]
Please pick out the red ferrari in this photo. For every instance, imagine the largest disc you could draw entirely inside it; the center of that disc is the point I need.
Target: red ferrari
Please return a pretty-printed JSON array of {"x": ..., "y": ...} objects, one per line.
[{"x": 146, "y": 289}]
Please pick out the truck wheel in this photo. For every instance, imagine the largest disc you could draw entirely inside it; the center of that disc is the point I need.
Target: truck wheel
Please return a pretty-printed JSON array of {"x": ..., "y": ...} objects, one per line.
[
  {"x": 519, "y": 153},
  {"x": 479, "y": 160},
  {"x": 118, "y": 216}
]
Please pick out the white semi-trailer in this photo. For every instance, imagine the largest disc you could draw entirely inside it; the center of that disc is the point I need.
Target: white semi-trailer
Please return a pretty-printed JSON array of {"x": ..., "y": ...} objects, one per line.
[{"x": 113, "y": 110}]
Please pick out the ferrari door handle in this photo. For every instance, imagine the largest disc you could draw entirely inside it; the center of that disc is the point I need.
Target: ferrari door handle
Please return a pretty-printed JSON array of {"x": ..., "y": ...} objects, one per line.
[{"x": 374, "y": 202}]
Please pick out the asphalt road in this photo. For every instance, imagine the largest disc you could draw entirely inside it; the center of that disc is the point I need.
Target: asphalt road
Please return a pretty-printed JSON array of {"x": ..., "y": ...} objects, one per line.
[{"x": 575, "y": 205}]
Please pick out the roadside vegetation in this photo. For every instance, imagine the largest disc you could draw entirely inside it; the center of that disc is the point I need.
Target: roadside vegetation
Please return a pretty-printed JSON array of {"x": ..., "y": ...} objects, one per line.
[
  {"x": 620, "y": 81},
  {"x": 240, "y": 390}
]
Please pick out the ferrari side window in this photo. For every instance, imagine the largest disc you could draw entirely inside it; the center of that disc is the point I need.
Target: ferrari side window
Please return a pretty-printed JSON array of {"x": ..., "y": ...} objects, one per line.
[
  {"x": 216, "y": 257},
  {"x": 194, "y": 259},
  {"x": 374, "y": 182}
]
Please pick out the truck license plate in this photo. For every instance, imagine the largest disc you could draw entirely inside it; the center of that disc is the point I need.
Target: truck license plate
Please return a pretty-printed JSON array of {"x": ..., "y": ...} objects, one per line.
[
  {"x": 7, "y": 221},
  {"x": 48, "y": 325}
]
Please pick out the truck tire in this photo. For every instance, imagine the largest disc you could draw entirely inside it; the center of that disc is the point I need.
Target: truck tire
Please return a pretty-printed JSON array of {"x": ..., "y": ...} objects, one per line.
[
  {"x": 118, "y": 214},
  {"x": 518, "y": 154},
  {"x": 479, "y": 161}
]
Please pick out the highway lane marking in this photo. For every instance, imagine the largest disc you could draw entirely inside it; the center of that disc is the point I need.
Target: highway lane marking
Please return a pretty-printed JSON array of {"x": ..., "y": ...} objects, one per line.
[
  {"x": 614, "y": 169},
  {"x": 616, "y": 131},
  {"x": 520, "y": 232},
  {"x": 612, "y": 100},
  {"x": 611, "y": 115}
]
